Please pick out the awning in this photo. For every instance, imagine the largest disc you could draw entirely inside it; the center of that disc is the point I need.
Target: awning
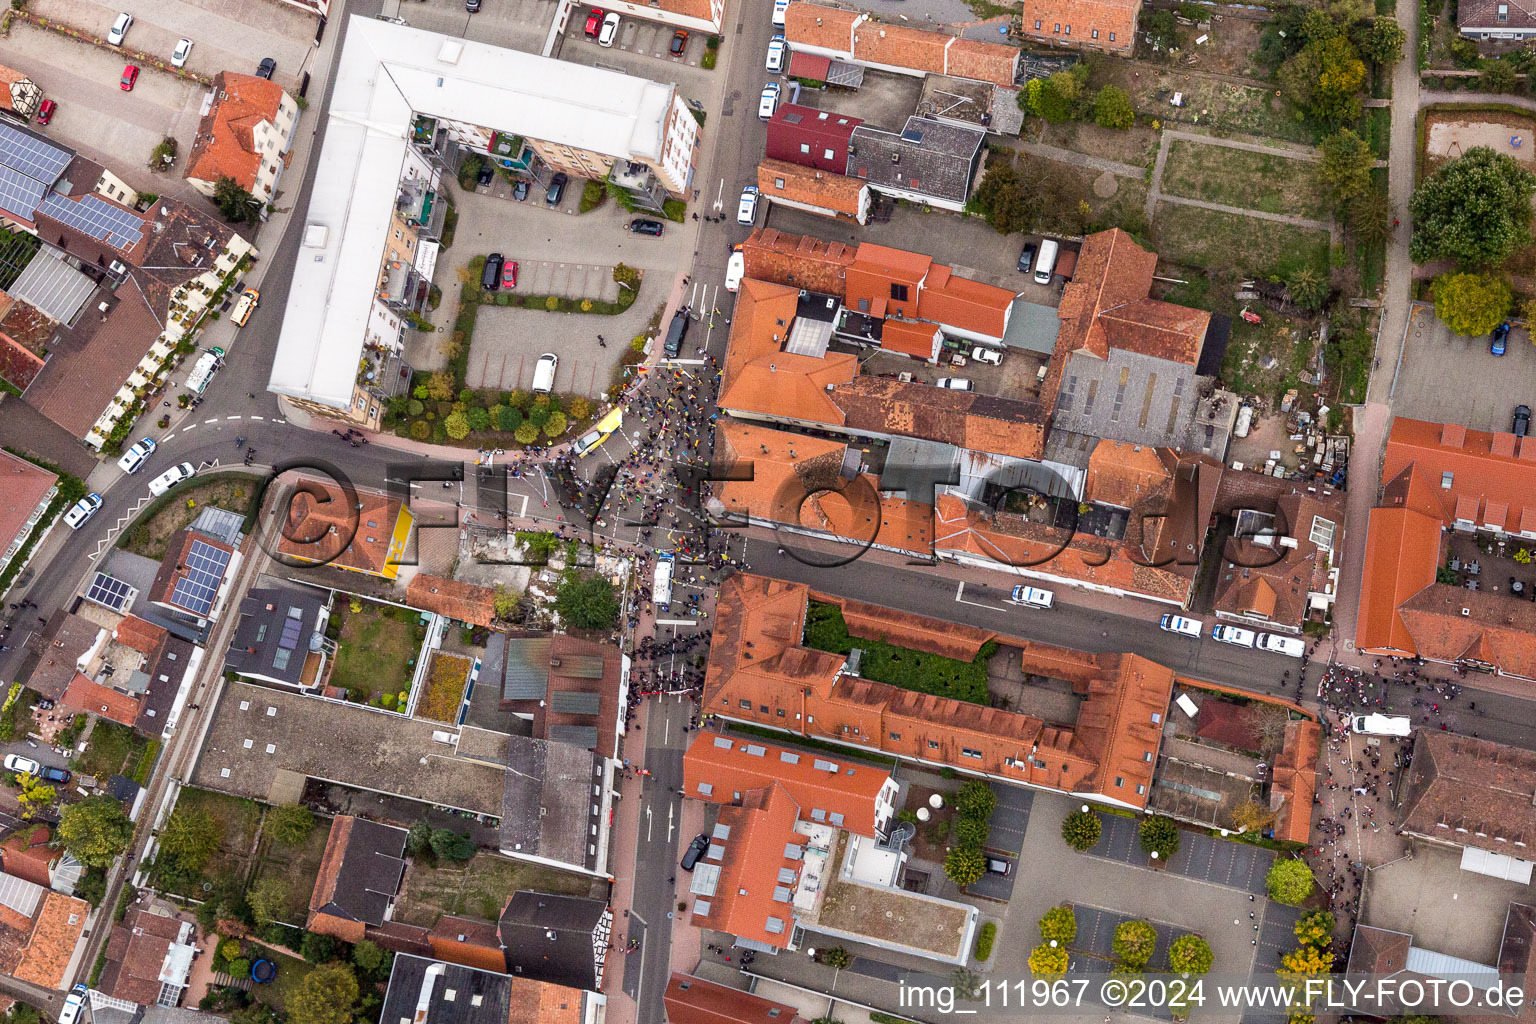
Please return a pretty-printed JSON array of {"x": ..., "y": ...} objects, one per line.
[
  {"x": 808, "y": 65},
  {"x": 426, "y": 258},
  {"x": 1496, "y": 865}
]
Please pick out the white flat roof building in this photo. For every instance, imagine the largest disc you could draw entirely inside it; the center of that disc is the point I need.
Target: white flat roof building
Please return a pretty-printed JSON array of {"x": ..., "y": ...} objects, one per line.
[{"x": 387, "y": 75}]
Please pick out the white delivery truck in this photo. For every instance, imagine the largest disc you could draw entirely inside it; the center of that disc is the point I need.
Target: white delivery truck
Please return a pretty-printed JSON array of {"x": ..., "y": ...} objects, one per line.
[
  {"x": 1381, "y": 725},
  {"x": 661, "y": 586}
]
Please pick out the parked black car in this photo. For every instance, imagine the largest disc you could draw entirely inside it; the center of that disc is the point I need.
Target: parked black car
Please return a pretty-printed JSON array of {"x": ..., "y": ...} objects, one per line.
[
  {"x": 485, "y": 175},
  {"x": 556, "y": 189},
  {"x": 520, "y": 190},
  {"x": 643, "y": 226},
  {"x": 267, "y": 68},
  {"x": 676, "y": 331},
  {"x": 490, "y": 278},
  {"x": 1027, "y": 257},
  {"x": 1522, "y": 424},
  {"x": 695, "y": 851}
]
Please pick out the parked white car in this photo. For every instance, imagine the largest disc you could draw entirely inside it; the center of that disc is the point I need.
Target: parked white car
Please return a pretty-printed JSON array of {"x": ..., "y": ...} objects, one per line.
[
  {"x": 777, "y": 47},
  {"x": 954, "y": 384},
  {"x": 780, "y": 10},
  {"x": 746, "y": 209},
  {"x": 181, "y": 53},
  {"x": 171, "y": 477},
  {"x": 1034, "y": 597},
  {"x": 983, "y": 354},
  {"x": 119, "y": 29},
  {"x": 22, "y": 765},
  {"x": 137, "y": 454},
  {"x": 768, "y": 102},
  {"x": 610, "y": 30},
  {"x": 1180, "y": 624},
  {"x": 1234, "y": 635},
  {"x": 1290, "y": 646}
]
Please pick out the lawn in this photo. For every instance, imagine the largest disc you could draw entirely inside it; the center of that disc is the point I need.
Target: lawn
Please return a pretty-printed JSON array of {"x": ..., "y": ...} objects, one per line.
[
  {"x": 445, "y": 687},
  {"x": 237, "y": 819},
  {"x": 1234, "y": 243},
  {"x": 291, "y": 972},
  {"x": 825, "y": 630},
  {"x": 376, "y": 651},
  {"x": 1237, "y": 177},
  {"x": 298, "y": 866},
  {"x": 1290, "y": 346},
  {"x": 479, "y": 888},
  {"x": 235, "y": 492},
  {"x": 1064, "y": 188},
  {"x": 112, "y": 748},
  {"x": 1136, "y": 146}
]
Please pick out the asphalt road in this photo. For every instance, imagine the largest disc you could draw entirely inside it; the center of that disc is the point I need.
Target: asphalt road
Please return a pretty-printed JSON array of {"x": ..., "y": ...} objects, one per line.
[{"x": 656, "y": 853}]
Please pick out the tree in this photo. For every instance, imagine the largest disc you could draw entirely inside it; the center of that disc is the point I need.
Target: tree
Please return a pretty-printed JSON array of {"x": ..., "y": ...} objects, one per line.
[
  {"x": 1315, "y": 928},
  {"x": 1056, "y": 99},
  {"x": 1345, "y": 169},
  {"x": 1159, "y": 835},
  {"x": 440, "y": 386},
  {"x": 1307, "y": 287},
  {"x": 1324, "y": 79},
  {"x": 975, "y": 800},
  {"x": 1081, "y": 830},
  {"x": 1059, "y": 924},
  {"x": 1289, "y": 881},
  {"x": 1370, "y": 216},
  {"x": 234, "y": 202},
  {"x": 964, "y": 864},
  {"x": 1475, "y": 210},
  {"x": 95, "y": 830},
  {"x": 836, "y": 957},
  {"x": 1001, "y": 199},
  {"x": 505, "y": 601},
  {"x": 451, "y": 846},
  {"x": 1303, "y": 963},
  {"x": 479, "y": 417},
  {"x": 1383, "y": 44},
  {"x": 370, "y": 957},
  {"x": 325, "y": 996},
  {"x": 626, "y": 276},
  {"x": 509, "y": 418},
  {"x": 268, "y": 900},
  {"x": 1112, "y": 108},
  {"x": 965, "y": 982},
  {"x": 1190, "y": 954},
  {"x": 1251, "y": 816},
  {"x": 587, "y": 602},
  {"x": 1497, "y": 76},
  {"x": 1048, "y": 961},
  {"x": 418, "y": 839},
  {"x": 555, "y": 425},
  {"x": 290, "y": 824},
  {"x": 1471, "y": 304},
  {"x": 457, "y": 425},
  {"x": 35, "y": 793},
  {"x": 1134, "y": 943},
  {"x": 525, "y": 433},
  {"x": 321, "y": 949},
  {"x": 972, "y": 831}
]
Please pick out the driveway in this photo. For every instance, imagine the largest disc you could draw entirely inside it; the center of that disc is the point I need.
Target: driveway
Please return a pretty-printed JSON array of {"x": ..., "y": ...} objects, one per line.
[
  {"x": 641, "y": 49},
  {"x": 513, "y": 24},
  {"x": 97, "y": 119},
  {"x": 1448, "y": 378}
]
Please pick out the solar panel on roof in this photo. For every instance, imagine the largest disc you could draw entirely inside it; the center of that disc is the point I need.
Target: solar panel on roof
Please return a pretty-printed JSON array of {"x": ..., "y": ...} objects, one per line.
[
  {"x": 204, "y": 568},
  {"x": 291, "y": 629},
  {"x": 109, "y": 592},
  {"x": 20, "y": 194},
  {"x": 32, "y": 156},
  {"x": 96, "y": 217}
]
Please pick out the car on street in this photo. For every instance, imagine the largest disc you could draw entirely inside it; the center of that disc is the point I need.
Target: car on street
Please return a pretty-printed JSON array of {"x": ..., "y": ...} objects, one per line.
[
  {"x": 735, "y": 270},
  {"x": 266, "y": 69},
  {"x": 56, "y": 774},
  {"x": 119, "y": 29},
  {"x": 520, "y": 190},
  {"x": 244, "y": 307},
  {"x": 137, "y": 454},
  {"x": 646, "y": 226},
  {"x": 45, "y": 111},
  {"x": 1234, "y": 635},
  {"x": 955, "y": 384},
  {"x": 776, "y": 48},
  {"x": 610, "y": 30},
  {"x": 679, "y": 43},
  {"x": 1522, "y": 424},
  {"x": 82, "y": 510},
  {"x": 1033, "y": 597},
  {"x": 490, "y": 277},
  {"x": 22, "y": 765},
  {"x": 130, "y": 76},
  {"x": 677, "y": 330},
  {"x": 509, "y": 274},
  {"x": 1027, "y": 257},
  {"x": 768, "y": 101},
  {"x": 485, "y": 175},
  {"x": 746, "y": 208},
  {"x": 1180, "y": 624},
  {"x": 171, "y": 477},
  {"x": 983, "y": 354},
  {"x": 690, "y": 856},
  {"x": 74, "y": 1003},
  {"x": 556, "y": 189},
  {"x": 1500, "y": 339},
  {"x": 1381, "y": 725},
  {"x": 1290, "y": 646},
  {"x": 594, "y": 23},
  {"x": 780, "y": 11},
  {"x": 181, "y": 53}
]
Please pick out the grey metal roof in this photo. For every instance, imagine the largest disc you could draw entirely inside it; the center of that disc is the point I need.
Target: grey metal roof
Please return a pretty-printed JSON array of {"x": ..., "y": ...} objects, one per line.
[
  {"x": 574, "y": 702},
  {"x": 579, "y": 666},
  {"x": 220, "y": 524},
  {"x": 526, "y": 668},
  {"x": 546, "y": 808},
  {"x": 914, "y": 465},
  {"x": 583, "y": 736},
  {"x": 1033, "y": 327},
  {"x": 54, "y": 287}
]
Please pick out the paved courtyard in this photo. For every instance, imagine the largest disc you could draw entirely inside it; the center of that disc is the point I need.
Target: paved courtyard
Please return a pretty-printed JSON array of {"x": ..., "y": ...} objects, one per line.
[
  {"x": 641, "y": 49},
  {"x": 1448, "y": 378},
  {"x": 1445, "y": 909}
]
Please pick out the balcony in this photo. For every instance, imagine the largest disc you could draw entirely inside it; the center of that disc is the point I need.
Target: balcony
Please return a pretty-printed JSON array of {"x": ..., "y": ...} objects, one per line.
[
  {"x": 382, "y": 373},
  {"x": 641, "y": 184},
  {"x": 402, "y": 288},
  {"x": 423, "y": 206}
]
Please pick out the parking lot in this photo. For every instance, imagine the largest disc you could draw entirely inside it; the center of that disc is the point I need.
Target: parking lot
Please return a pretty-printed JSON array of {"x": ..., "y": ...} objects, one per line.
[
  {"x": 1015, "y": 377},
  {"x": 1448, "y": 378},
  {"x": 513, "y": 24},
  {"x": 1201, "y": 857},
  {"x": 640, "y": 49}
]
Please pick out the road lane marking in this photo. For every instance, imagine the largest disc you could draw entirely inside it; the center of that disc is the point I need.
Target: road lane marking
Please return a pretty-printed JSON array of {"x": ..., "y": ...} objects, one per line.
[
  {"x": 231, "y": 417},
  {"x": 258, "y": 417},
  {"x": 959, "y": 597}
]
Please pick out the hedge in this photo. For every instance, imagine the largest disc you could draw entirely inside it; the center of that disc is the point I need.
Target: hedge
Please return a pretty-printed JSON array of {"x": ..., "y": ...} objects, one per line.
[
  {"x": 921, "y": 672},
  {"x": 984, "y": 940}
]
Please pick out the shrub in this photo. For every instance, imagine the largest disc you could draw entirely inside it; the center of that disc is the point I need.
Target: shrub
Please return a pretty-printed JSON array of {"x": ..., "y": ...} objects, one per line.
[
  {"x": 457, "y": 426},
  {"x": 554, "y": 426},
  {"x": 984, "y": 940},
  {"x": 975, "y": 800},
  {"x": 1159, "y": 835},
  {"x": 525, "y": 433},
  {"x": 510, "y": 418},
  {"x": 972, "y": 831},
  {"x": 552, "y": 303},
  {"x": 1112, "y": 108},
  {"x": 479, "y": 418},
  {"x": 580, "y": 408},
  {"x": 415, "y": 407},
  {"x": 1134, "y": 943},
  {"x": 1059, "y": 924},
  {"x": 421, "y": 430},
  {"x": 1289, "y": 881},
  {"x": 1081, "y": 830},
  {"x": 836, "y": 957},
  {"x": 964, "y": 865}
]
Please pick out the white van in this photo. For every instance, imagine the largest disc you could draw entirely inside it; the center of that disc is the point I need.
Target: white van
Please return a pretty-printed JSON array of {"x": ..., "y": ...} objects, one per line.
[
  {"x": 170, "y": 478},
  {"x": 1045, "y": 263},
  {"x": 75, "y": 1001},
  {"x": 203, "y": 370},
  {"x": 82, "y": 510},
  {"x": 1179, "y": 624},
  {"x": 1034, "y": 597},
  {"x": 1290, "y": 646},
  {"x": 1233, "y": 635},
  {"x": 1381, "y": 725},
  {"x": 780, "y": 10},
  {"x": 661, "y": 585},
  {"x": 746, "y": 209},
  {"x": 544, "y": 373}
]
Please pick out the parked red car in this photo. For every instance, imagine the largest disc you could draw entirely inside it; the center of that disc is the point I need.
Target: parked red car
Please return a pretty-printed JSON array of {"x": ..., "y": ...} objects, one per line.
[
  {"x": 130, "y": 76},
  {"x": 595, "y": 22},
  {"x": 509, "y": 274},
  {"x": 45, "y": 112}
]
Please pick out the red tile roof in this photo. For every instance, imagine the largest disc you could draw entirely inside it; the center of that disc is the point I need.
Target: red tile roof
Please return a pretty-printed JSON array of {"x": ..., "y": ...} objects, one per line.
[
  {"x": 761, "y": 833},
  {"x": 144, "y": 637},
  {"x": 22, "y": 488},
  {"x": 1106, "y": 305},
  {"x": 1484, "y": 480},
  {"x": 26, "y": 854},
  {"x": 760, "y": 377},
  {"x": 1082, "y": 19},
  {"x": 1402, "y": 552},
  {"x": 464, "y": 602},
  {"x": 856, "y": 36},
  {"x": 56, "y": 930},
  {"x": 824, "y": 190},
  {"x": 911, "y": 337},
  {"x": 468, "y": 941},
  {"x": 962, "y": 303},
  {"x": 176, "y": 566},
  {"x": 87, "y": 695},
  {"x": 730, "y": 766},
  {"x": 322, "y": 517},
  {"x": 136, "y": 952},
  {"x": 225, "y": 142},
  {"x": 1295, "y": 779},
  {"x": 691, "y": 1000}
]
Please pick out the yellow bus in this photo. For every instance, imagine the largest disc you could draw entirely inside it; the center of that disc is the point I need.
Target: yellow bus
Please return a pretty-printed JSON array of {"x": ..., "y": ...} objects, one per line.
[{"x": 600, "y": 431}]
